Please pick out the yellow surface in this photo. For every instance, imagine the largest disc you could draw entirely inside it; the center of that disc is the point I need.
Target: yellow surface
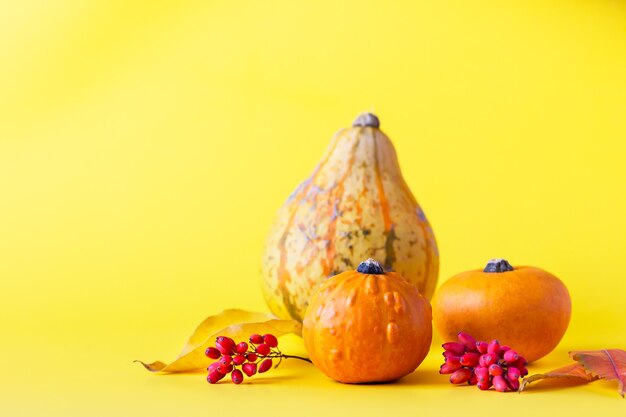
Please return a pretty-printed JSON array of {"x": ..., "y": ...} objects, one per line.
[{"x": 144, "y": 147}]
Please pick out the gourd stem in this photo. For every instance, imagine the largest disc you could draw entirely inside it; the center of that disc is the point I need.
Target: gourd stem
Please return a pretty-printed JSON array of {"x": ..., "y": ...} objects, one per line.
[
  {"x": 370, "y": 266},
  {"x": 498, "y": 265},
  {"x": 366, "y": 120}
]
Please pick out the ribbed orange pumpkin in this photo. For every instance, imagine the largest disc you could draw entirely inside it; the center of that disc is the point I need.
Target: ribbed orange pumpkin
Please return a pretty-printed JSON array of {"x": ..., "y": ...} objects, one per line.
[
  {"x": 354, "y": 206},
  {"x": 367, "y": 326},
  {"x": 524, "y": 307}
]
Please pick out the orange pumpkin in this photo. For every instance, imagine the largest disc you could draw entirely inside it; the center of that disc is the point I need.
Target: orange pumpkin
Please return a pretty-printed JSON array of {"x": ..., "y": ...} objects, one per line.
[
  {"x": 524, "y": 307},
  {"x": 367, "y": 326},
  {"x": 354, "y": 206}
]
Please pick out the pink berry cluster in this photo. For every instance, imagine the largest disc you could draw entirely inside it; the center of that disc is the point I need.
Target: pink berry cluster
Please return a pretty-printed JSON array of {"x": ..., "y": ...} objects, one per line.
[
  {"x": 252, "y": 358},
  {"x": 484, "y": 364}
]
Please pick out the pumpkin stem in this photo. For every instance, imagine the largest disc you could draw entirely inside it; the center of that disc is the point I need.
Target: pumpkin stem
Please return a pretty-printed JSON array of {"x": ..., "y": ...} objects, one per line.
[
  {"x": 498, "y": 265},
  {"x": 371, "y": 267},
  {"x": 366, "y": 120}
]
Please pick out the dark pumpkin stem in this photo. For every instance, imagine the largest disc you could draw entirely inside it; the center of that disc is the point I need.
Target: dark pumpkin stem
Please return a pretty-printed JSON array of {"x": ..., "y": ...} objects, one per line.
[
  {"x": 371, "y": 267},
  {"x": 498, "y": 265},
  {"x": 366, "y": 120}
]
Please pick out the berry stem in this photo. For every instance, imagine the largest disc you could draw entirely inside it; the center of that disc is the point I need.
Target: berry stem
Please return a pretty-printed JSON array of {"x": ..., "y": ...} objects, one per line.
[{"x": 283, "y": 356}]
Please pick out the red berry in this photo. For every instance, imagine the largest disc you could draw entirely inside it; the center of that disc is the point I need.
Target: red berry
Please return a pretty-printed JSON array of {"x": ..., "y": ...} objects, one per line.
[
  {"x": 226, "y": 360},
  {"x": 493, "y": 347},
  {"x": 520, "y": 362},
  {"x": 483, "y": 378},
  {"x": 256, "y": 339},
  {"x": 499, "y": 383},
  {"x": 513, "y": 384},
  {"x": 239, "y": 359},
  {"x": 487, "y": 360},
  {"x": 212, "y": 353},
  {"x": 495, "y": 370},
  {"x": 482, "y": 347},
  {"x": 213, "y": 367},
  {"x": 249, "y": 368},
  {"x": 225, "y": 339},
  {"x": 468, "y": 341},
  {"x": 484, "y": 385},
  {"x": 265, "y": 365},
  {"x": 225, "y": 345},
  {"x": 270, "y": 340},
  {"x": 224, "y": 369},
  {"x": 236, "y": 376},
  {"x": 448, "y": 368},
  {"x": 482, "y": 373},
  {"x": 453, "y": 360},
  {"x": 504, "y": 348},
  {"x": 461, "y": 375},
  {"x": 263, "y": 349},
  {"x": 473, "y": 380},
  {"x": 241, "y": 347},
  {"x": 251, "y": 357},
  {"x": 224, "y": 350},
  {"x": 470, "y": 359},
  {"x": 513, "y": 373},
  {"x": 510, "y": 356},
  {"x": 214, "y": 377},
  {"x": 454, "y": 348},
  {"x": 523, "y": 371}
]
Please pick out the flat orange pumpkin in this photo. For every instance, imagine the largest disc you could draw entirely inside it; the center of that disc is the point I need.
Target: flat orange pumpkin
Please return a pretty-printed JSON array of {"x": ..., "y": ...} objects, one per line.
[
  {"x": 367, "y": 326},
  {"x": 524, "y": 307}
]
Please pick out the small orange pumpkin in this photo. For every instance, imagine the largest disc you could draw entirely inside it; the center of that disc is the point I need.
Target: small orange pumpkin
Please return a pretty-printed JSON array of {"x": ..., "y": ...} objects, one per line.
[
  {"x": 367, "y": 326},
  {"x": 524, "y": 307}
]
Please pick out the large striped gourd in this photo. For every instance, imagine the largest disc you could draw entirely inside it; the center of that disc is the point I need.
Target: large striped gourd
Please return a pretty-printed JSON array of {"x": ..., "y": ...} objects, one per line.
[{"x": 355, "y": 205}]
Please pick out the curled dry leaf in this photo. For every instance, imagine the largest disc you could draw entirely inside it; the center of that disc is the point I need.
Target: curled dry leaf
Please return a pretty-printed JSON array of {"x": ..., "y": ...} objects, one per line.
[
  {"x": 574, "y": 373},
  {"x": 606, "y": 363},
  {"x": 590, "y": 365},
  {"x": 238, "y": 324}
]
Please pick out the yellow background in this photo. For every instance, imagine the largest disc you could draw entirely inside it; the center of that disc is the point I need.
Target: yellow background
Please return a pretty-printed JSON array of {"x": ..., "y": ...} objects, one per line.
[{"x": 145, "y": 146}]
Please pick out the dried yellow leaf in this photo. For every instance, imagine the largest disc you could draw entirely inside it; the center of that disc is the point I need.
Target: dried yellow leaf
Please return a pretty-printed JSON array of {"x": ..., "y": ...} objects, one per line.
[{"x": 238, "y": 324}]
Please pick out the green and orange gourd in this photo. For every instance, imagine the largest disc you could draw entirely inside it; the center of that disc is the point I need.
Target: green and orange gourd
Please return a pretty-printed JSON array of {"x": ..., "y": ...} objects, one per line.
[{"x": 355, "y": 205}]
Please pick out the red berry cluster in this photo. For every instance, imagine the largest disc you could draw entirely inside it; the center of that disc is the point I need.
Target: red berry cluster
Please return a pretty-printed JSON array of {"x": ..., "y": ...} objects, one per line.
[
  {"x": 252, "y": 358},
  {"x": 231, "y": 355},
  {"x": 483, "y": 364}
]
